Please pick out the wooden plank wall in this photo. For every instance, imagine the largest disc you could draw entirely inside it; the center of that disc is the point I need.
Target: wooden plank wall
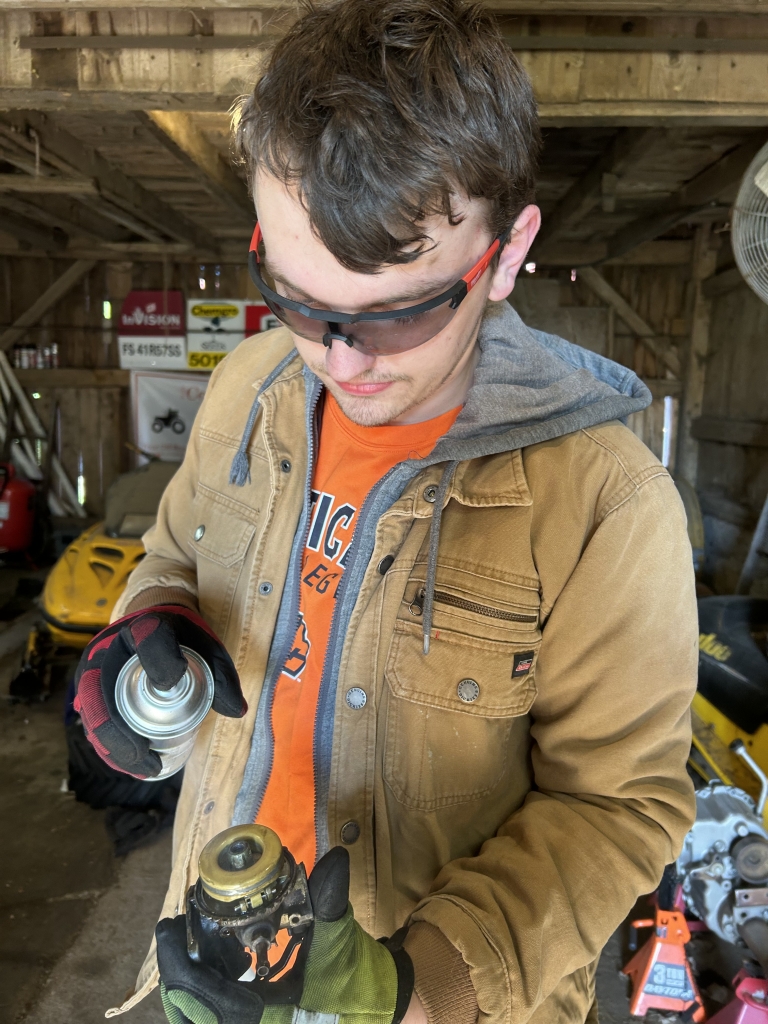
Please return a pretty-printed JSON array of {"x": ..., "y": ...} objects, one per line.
[
  {"x": 661, "y": 296},
  {"x": 95, "y": 421},
  {"x": 733, "y": 478}
]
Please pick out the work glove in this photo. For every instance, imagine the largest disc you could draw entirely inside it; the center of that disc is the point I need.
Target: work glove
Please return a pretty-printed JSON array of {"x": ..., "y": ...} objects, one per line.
[
  {"x": 155, "y": 635},
  {"x": 348, "y": 974}
]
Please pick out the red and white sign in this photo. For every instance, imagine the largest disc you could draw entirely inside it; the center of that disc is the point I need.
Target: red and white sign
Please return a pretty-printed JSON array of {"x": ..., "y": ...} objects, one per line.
[
  {"x": 152, "y": 313},
  {"x": 151, "y": 333},
  {"x": 258, "y": 318}
]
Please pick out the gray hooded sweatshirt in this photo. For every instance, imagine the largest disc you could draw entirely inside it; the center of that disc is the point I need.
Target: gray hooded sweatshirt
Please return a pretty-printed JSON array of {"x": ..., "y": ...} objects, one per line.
[{"x": 528, "y": 387}]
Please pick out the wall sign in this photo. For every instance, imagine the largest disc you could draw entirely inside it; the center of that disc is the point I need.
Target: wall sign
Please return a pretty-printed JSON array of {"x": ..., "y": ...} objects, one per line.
[
  {"x": 151, "y": 333},
  {"x": 215, "y": 328},
  {"x": 258, "y": 318},
  {"x": 164, "y": 406}
]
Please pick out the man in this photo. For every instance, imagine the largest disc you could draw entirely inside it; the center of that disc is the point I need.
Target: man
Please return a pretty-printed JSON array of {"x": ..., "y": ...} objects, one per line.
[{"x": 456, "y": 590}]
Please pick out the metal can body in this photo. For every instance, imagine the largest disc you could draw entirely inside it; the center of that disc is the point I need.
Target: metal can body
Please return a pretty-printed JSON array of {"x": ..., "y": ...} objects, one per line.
[{"x": 169, "y": 719}]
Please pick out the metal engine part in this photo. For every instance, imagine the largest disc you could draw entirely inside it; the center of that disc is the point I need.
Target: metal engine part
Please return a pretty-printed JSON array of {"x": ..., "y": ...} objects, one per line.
[
  {"x": 250, "y": 887},
  {"x": 723, "y": 867}
]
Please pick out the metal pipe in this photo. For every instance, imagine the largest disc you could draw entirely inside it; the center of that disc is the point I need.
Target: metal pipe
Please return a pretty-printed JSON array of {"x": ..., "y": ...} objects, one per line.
[{"x": 740, "y": 750}]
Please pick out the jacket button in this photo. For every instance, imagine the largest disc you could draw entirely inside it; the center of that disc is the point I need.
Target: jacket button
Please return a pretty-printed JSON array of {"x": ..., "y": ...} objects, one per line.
[
  {"x": 265, "y": 588},
  {"x": 199, "y": 532},
  {"x": 350, "y": 833},
  {"x": 356, "y": 698},
  {"x": 430, "y": 493},
  {"x": 385, "y": 563},
  {"x": 285, "y": 465},
  {"x": 468, "y": 690}
]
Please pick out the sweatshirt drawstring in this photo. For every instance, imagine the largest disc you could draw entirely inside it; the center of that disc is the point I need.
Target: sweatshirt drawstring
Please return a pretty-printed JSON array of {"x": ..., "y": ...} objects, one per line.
[
  {"x": 434, "y": 542},
  {"x": 240, "y": 475},
  {"x": 239, "y": 472}
]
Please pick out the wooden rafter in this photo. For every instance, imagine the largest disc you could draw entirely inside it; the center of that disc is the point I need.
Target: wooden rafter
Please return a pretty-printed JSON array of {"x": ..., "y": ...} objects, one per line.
[
  {"x": 121, "y": 199},
  {"x": 177, "y": 132},
  {"x": 699, "y": 193},
  {"x": 585, "y": 193}
]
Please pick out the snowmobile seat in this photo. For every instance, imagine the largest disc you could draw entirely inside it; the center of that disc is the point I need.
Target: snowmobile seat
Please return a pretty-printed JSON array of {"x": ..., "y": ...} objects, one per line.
[{"x": 733, "y": 668}]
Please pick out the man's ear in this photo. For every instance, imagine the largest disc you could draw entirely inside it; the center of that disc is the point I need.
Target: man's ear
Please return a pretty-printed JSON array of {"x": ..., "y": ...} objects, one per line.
[{"x": 514, "y": 252}]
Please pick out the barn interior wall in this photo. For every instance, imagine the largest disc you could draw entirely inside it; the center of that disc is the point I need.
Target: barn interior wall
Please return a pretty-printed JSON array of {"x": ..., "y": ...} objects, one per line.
[
  {"x": 733, "y": 478},
  {"x": 94, "y": 422},
  {"x": 552, "y": 301}
]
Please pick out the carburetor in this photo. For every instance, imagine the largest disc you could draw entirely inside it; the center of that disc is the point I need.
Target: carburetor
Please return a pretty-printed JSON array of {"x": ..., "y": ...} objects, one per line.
[{"x": 250, "y": 887}]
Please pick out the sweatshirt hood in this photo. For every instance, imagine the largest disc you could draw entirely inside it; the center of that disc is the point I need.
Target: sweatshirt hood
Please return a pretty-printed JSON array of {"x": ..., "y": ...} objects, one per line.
[{"x": 530, "y": 386}]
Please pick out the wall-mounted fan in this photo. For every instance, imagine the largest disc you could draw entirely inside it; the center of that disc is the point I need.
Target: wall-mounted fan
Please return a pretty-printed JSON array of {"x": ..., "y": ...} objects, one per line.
[{"x": 749, "y": 229}]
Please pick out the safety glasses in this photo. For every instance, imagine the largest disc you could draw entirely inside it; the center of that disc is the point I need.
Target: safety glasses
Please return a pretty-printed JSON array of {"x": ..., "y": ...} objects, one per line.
[{"x": 385, "y": 333}]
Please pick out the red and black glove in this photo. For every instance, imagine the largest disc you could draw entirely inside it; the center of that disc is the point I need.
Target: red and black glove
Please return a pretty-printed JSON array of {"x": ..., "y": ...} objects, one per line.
[{"x": 155, "y": 634}]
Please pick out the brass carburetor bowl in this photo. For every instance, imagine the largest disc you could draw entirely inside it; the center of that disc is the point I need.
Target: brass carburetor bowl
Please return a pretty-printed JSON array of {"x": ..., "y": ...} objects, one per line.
[{"x": 249, "y": 888}]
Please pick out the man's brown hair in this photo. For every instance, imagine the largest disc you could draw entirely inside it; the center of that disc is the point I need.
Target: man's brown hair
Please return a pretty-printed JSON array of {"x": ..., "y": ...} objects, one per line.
[{"x": 378, "y": 112}]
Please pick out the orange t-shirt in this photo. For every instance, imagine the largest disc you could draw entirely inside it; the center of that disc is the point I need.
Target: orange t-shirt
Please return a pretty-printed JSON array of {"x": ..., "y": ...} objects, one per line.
[{"x": 351, "y": 459}]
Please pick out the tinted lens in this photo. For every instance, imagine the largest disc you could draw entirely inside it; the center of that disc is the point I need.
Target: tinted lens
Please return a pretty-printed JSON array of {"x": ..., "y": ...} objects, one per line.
[
  {"x": 376, "y": 337},
  {"x": 387, "y": 337}
]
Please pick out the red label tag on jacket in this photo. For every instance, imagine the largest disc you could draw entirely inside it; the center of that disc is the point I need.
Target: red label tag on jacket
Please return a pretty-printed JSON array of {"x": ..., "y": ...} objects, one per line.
[{"x": 521, "y": 664}]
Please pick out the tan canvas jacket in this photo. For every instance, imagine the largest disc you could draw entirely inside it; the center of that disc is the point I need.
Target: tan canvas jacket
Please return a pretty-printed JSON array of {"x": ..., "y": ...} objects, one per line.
[{"x": 519, "y": 828}]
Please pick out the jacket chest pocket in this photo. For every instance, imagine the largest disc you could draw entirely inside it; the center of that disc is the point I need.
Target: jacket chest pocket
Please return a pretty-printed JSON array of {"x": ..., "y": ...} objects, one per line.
[
  {"x": 455, "y": 716},
  {"x": 219, "y": 538}
]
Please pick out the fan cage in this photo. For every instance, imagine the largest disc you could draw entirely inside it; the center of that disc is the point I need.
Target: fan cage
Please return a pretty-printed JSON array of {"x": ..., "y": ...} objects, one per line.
[{"x": 749, "y": 228}]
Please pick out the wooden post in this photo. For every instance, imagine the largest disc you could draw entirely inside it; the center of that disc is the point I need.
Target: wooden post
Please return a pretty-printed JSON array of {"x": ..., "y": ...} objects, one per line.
[{"x": 702, "y": 267}]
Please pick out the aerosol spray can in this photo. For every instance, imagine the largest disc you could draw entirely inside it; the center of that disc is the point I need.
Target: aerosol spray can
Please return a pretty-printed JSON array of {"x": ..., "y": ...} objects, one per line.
[{"x": 169, "y": 719}]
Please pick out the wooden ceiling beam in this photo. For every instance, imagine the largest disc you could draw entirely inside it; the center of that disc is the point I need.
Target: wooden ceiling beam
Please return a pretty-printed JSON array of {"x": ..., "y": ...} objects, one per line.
[
  {"x": 149, "y": 42},
  {"x": 666, "y": 253},
  {"x": 638, "y": 111},
  {"x": 518, "y": 41},
  {"x": 695, "y": 196},
  {"x": 138, "y": 206},
  {"x": 617, "y": 7},
  {"x": 50, "y": 185},
  {"x": 652, "y": 80},
  {"x": 177, "y": 132},
  {"x": 585, "y": 193}
]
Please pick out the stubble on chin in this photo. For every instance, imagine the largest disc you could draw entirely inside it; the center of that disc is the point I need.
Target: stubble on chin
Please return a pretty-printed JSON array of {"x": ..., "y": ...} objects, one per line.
[{"x": 375, "y": 411}]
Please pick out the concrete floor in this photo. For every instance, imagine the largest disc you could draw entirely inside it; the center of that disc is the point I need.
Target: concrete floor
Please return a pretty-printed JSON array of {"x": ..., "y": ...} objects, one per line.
[{"x": 76, "y": 922}]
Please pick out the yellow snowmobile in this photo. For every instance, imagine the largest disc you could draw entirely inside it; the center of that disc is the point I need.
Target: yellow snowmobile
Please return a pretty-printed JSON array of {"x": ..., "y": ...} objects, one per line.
[
  {"x": 91, "y": 574},
  {"x": 731, "y": 702}
]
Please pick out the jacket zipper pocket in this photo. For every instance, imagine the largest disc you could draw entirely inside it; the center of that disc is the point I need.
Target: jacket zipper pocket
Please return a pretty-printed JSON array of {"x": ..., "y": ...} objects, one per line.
[{"x": 441, "y": 597}]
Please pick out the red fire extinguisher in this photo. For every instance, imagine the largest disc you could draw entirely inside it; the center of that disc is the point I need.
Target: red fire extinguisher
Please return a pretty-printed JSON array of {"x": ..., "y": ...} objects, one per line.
[{"x": 17, "y": 510}]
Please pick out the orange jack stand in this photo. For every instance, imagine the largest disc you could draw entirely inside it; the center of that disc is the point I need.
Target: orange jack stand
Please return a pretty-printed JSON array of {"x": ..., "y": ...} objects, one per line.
[{"x": 661, "y": 976}]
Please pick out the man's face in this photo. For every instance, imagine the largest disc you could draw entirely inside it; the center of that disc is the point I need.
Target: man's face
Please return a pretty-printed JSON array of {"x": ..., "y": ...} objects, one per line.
[{"x": 408, "y": 386}]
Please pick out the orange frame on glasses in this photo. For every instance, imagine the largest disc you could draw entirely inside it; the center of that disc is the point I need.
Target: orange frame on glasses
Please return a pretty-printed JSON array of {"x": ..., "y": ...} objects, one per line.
[{"x": 455, "y": 294}]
